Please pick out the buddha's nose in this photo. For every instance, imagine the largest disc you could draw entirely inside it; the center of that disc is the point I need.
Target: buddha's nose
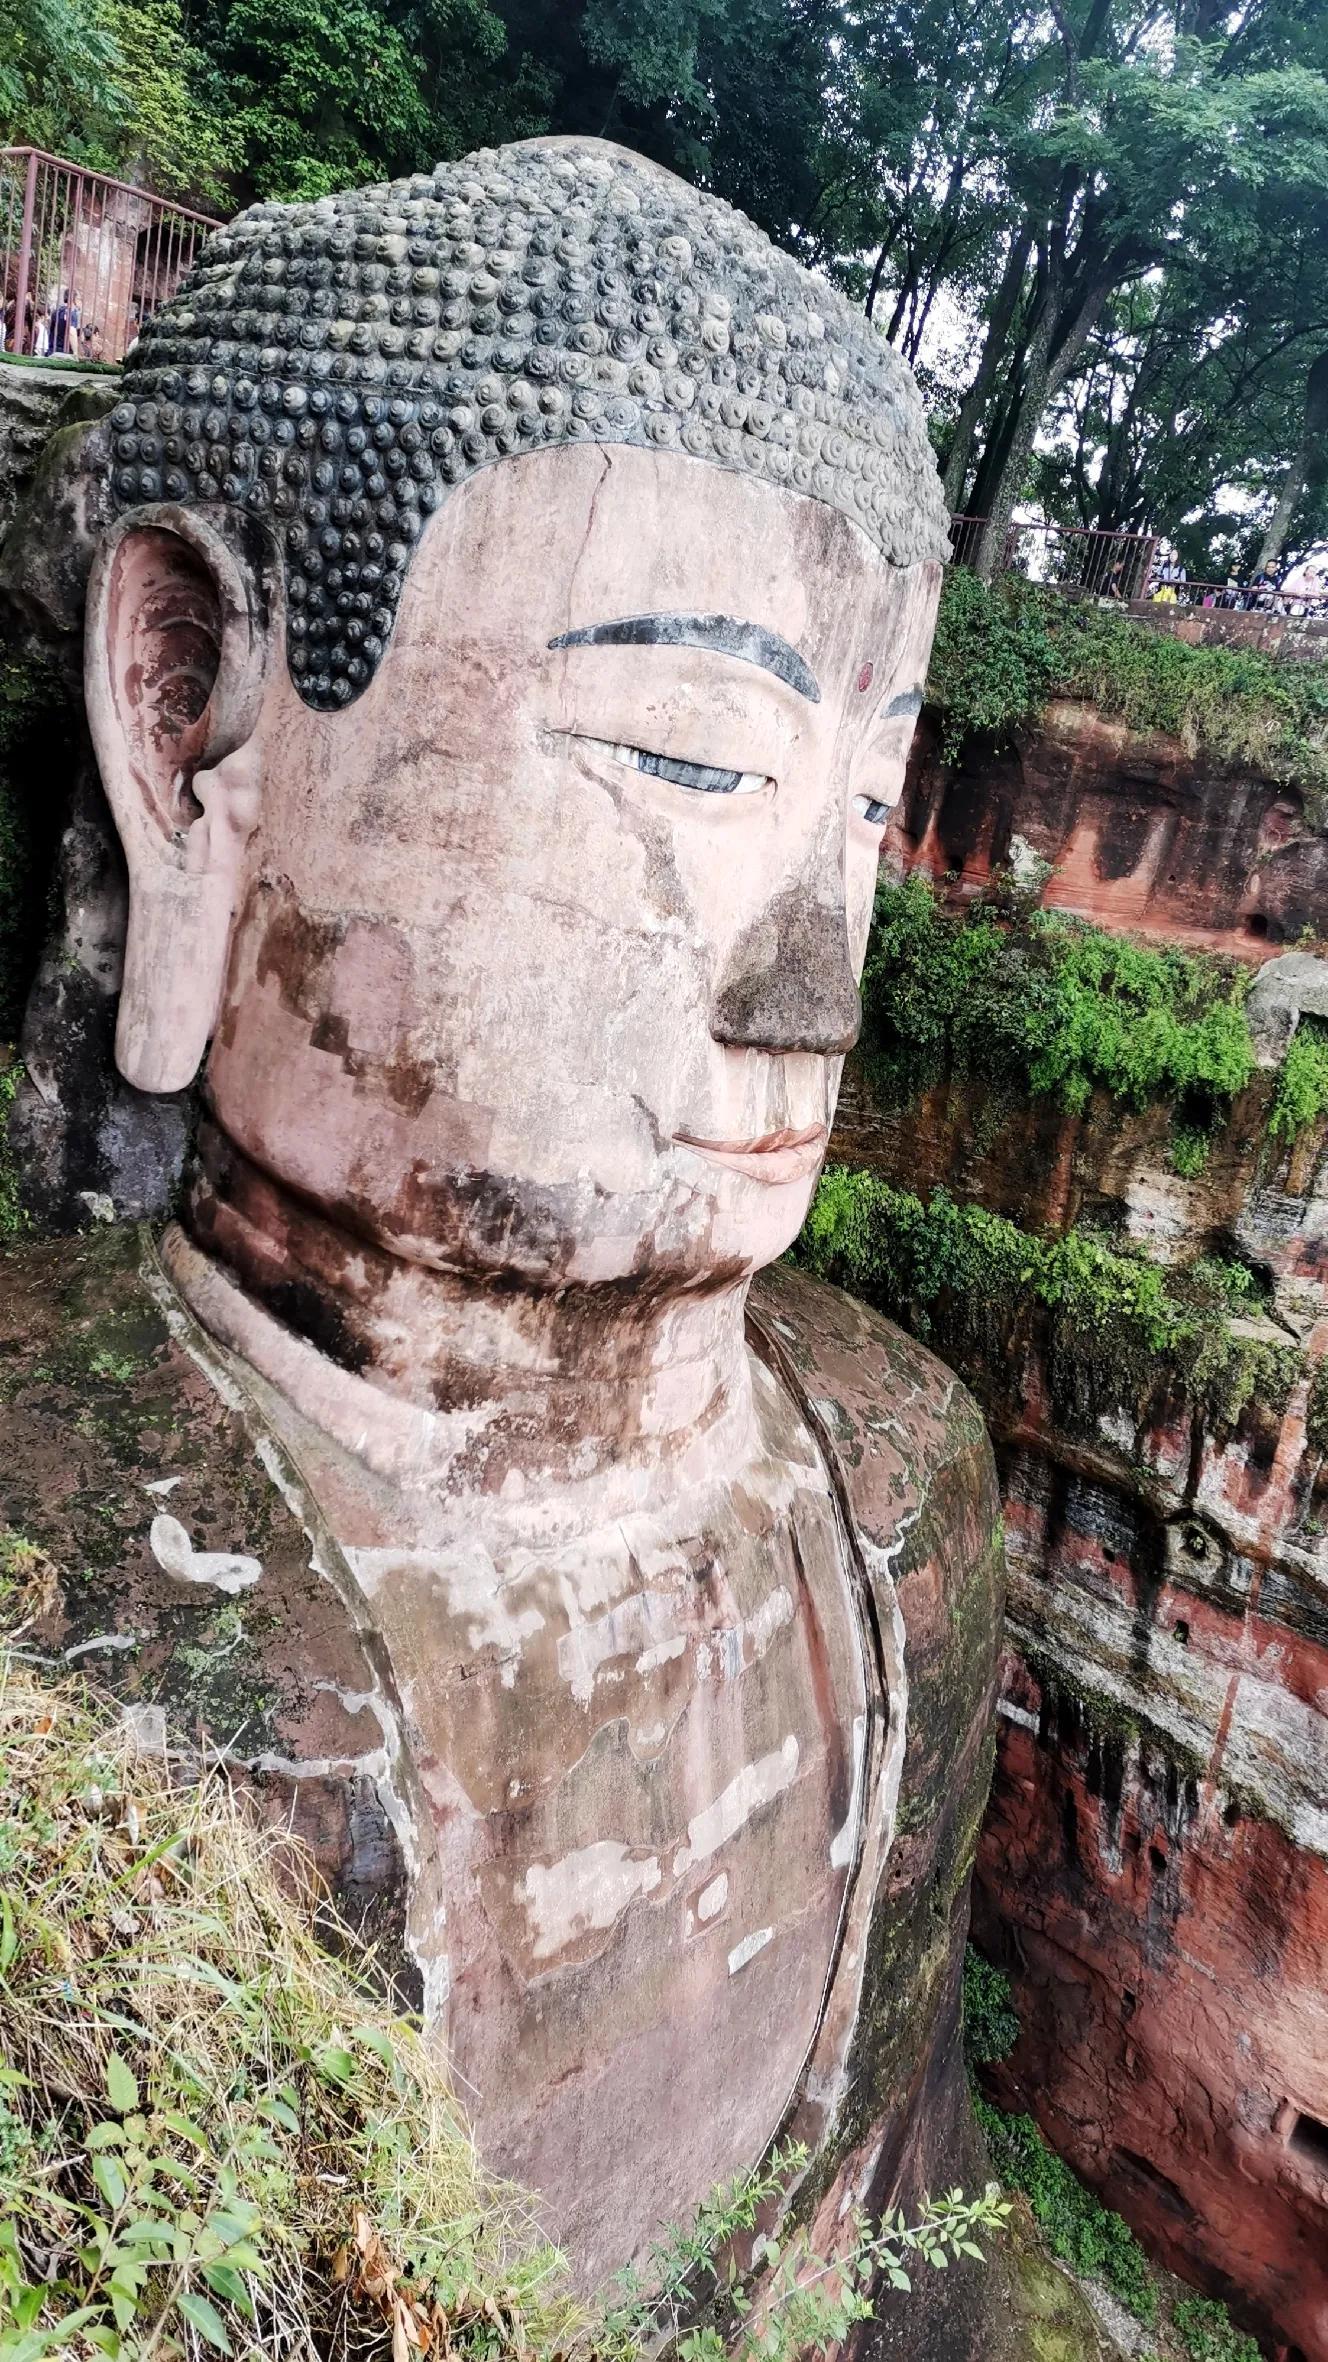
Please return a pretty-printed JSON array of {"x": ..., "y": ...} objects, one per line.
[{"x": 788, "y": 981}]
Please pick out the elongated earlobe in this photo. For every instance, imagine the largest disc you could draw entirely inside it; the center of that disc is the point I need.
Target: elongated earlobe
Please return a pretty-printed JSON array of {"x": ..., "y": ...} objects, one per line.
[{"x": 180, "y": 622}]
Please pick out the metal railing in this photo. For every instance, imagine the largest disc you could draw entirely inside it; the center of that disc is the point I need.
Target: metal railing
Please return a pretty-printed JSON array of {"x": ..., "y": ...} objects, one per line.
[
  {"x": 1071, "y": 557},
  {"x": 84, "y": 259}
]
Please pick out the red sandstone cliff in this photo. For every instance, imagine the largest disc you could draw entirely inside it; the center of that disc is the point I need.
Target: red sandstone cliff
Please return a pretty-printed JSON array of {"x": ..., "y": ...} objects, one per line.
[{"x": 1154, "y": 1869}]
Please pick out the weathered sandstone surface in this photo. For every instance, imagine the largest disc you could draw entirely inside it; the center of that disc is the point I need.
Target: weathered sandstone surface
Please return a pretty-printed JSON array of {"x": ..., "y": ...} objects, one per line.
[{"x": 1144, "y": 836}]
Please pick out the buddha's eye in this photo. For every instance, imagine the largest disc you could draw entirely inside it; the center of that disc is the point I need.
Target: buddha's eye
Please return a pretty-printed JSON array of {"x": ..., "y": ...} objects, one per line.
[
  {"x": 704, "y": 779},
  {"x": 874, "y": 813}
]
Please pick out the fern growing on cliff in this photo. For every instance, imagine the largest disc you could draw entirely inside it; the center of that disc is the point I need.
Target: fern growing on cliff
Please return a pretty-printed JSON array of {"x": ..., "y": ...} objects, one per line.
[{"x": 1047, "y": 1006}]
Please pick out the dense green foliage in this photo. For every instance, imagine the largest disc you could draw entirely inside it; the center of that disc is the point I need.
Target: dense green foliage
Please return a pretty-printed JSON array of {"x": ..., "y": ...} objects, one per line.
[
  {"x": 991, "y": 2027},
  {"x": 1001, "y": 654},
  {"x": 1117, "y": 212},
  {"x": 1206, "y": 2334},
  {"x": 1116, "y": 1325},
  {"x": 1077, "y": 2227},
  {"x": 1302, "y": 1083},
  {"x": 1045, "y": 1005}
]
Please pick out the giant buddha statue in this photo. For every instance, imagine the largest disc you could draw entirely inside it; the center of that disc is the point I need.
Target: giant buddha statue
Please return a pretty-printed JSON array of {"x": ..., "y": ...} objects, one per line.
[{"x": 502, "y": 652}]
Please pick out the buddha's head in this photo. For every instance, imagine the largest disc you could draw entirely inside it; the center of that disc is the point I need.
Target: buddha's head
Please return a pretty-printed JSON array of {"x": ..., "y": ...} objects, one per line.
[{"x": 501, "y": 668}]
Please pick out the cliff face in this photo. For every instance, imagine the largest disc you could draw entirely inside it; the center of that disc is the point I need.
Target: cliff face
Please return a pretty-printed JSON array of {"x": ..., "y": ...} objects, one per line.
[
  {"x": 1154, "y": 1868},
  {"x": 1143, "y": 835}
]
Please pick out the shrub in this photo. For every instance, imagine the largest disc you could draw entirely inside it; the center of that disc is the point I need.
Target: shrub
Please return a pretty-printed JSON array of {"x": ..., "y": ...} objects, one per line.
[
  {"x": 1047, "y": 1006},
  {"x": 1117, "y": 1324},
  {"x": 1206, "y": 2333},
  {"x": 1302, "y": 1083},
  {"x": 1001, "y": 654}
]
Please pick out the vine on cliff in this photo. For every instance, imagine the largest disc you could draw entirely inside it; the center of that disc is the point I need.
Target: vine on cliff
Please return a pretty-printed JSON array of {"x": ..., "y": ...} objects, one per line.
[
  {"x": 1003, "y": 653},
  {"x": 1115, "y": 1324}
]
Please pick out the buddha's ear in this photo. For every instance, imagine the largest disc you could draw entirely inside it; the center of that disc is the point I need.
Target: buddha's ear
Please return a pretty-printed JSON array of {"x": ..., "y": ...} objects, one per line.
[{"x": 180, "y": 629}]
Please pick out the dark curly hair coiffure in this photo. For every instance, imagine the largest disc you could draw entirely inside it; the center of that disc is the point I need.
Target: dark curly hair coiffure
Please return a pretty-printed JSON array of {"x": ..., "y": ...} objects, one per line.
[{"x": 334, "y": 368}]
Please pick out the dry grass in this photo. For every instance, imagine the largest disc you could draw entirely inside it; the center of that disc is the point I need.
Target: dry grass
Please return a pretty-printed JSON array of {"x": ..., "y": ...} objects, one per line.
[{"x": 213, "y": 2136}]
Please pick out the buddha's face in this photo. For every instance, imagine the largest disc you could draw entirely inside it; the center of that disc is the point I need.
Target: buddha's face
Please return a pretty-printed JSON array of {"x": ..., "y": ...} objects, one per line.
[{"x": 541, "y": 959}]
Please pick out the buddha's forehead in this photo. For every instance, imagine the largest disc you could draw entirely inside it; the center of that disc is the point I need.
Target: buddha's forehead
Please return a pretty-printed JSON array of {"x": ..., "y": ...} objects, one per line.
[
  {"x": 641, "y": 565},
  {"x": 588, "y": 546},
  {"x": 338, "y": 369}
]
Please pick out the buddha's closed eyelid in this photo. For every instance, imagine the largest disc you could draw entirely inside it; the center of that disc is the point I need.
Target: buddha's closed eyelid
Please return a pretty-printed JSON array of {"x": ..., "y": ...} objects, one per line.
[{"x": 707, "y": 779}]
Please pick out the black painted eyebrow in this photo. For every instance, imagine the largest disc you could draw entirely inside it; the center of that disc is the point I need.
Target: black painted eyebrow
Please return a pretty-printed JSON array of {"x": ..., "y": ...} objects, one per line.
[{"x": 750, "y": 642}]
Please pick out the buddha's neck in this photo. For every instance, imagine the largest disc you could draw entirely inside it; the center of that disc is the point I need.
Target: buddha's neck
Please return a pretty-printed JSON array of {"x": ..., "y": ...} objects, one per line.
[{"x": 479, "y": 1392}]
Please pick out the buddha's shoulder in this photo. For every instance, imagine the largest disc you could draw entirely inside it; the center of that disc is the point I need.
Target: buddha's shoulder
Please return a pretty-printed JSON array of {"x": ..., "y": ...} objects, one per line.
[{"x": 907, "y": 1438}]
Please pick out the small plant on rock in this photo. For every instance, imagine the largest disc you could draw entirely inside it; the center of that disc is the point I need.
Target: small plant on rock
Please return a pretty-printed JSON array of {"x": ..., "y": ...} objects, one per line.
[{"x": 1207, "y": 2333}]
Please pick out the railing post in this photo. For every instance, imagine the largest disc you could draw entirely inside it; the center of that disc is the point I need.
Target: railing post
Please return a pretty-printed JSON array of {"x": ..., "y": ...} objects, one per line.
[{"x": 25, "y": 257}]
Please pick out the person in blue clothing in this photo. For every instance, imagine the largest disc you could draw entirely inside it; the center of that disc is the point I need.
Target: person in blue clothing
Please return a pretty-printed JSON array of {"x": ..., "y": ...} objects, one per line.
[{"x": 64, "y": 326}]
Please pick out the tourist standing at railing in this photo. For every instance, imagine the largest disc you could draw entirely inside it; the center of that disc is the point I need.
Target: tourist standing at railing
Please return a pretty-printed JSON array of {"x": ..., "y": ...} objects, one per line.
[{"x": 63, "y": 336}]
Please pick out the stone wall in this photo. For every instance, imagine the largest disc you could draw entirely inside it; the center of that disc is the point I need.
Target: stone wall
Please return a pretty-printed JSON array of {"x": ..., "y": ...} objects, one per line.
[
  {"x": 1303, "y": 637},
  {"x": 1154, "y": 1870}
]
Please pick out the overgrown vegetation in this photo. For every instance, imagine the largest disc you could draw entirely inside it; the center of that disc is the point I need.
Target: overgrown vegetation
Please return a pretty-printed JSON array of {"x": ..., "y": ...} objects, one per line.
[
  {"x": 1206, "y": 2332},
  {"x": 1116, "y": 1324},
  {"x": 1302, "y": 1083},
  {"x": 1095, "y": 2242},
  {"x": 215, "y": 2136},
  {"x": 1037, "y": 1004},
  {"x": 1086, "y": 2235},
  {"x": 1002, "y": 653},
  {"x": 1316, "y": 1409}
]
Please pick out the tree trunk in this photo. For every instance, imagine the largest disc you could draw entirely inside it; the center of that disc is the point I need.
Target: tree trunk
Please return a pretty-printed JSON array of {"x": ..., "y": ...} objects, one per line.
[
  {"x": 1307, "y": 462},
  {"x": 994, "y": 343},
  {"x": 1052, "y": 352},
  {"x": 1032, "y": 401}
]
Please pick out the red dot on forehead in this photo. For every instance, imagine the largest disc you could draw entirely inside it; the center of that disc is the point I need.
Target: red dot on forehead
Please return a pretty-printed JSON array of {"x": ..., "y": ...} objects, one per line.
[{"x": 866, "y": 676}]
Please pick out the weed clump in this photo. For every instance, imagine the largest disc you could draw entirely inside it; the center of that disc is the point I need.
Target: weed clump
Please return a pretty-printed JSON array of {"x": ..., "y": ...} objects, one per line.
[
  {"x": 1204, "y": 2328},
  {"x": 213, "y": 2134}
]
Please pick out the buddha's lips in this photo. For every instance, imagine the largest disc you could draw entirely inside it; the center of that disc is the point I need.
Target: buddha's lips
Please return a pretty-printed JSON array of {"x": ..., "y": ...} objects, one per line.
[{"x": 775, "y": 1157}]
